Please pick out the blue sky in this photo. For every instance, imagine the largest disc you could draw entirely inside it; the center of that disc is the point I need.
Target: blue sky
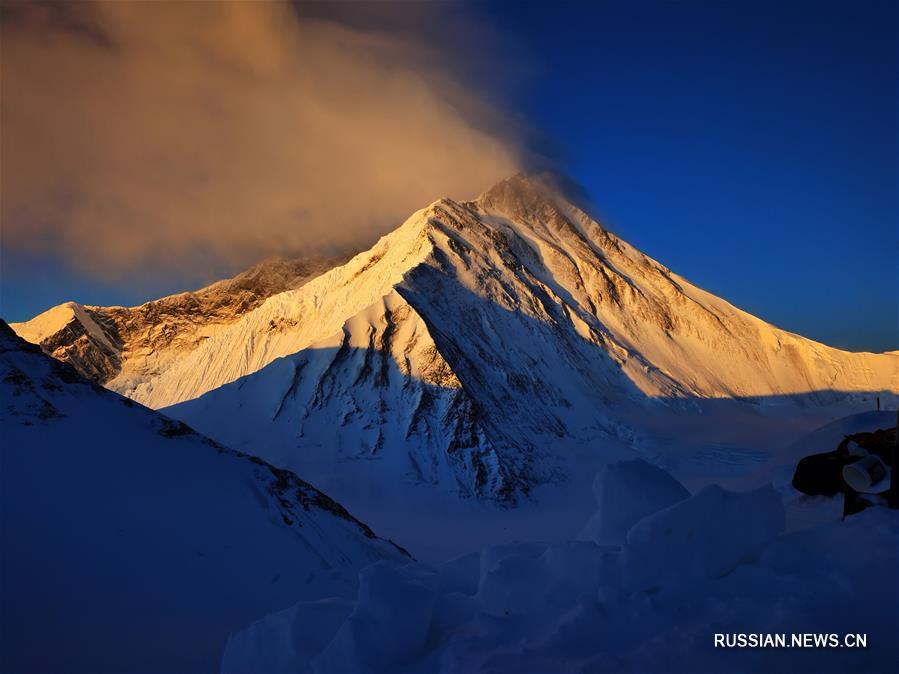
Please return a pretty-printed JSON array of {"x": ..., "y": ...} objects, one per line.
[{"x": 751, "y": 147}]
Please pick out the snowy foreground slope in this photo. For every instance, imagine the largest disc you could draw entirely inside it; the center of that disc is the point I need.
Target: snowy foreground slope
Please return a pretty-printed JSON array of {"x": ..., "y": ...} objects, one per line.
[
  {"x": 122, "y": 346},
  {"x": 131, "y": 543},
  {"x": 655, "y": 575}
]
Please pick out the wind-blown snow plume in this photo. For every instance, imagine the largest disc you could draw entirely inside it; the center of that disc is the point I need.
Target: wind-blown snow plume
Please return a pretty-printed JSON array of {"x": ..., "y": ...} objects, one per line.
[{"x": 154, "y": 133}]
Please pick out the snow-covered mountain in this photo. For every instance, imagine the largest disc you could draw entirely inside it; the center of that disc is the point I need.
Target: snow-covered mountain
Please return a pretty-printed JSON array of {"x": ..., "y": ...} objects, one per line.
[
  {"x": 122, "y": 346},
  {"x": 132, "y": 543},
  {"x": 523, "y": 249},
  {"x": 470, "y": 345},
  {"x": 491, "y": 347}
]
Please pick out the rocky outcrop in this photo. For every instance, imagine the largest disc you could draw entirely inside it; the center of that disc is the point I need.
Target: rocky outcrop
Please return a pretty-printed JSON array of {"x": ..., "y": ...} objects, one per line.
[{"x": 123, "y": 346}]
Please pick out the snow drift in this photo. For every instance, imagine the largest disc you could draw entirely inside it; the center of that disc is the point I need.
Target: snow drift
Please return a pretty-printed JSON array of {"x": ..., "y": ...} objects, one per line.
[
  {"x": 626, "y": 492},
  {"x": 713, "y": 562}
]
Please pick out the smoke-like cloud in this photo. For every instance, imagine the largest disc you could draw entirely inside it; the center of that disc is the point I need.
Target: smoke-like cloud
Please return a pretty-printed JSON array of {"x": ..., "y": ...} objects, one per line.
[{"x": 149, "y": 135}]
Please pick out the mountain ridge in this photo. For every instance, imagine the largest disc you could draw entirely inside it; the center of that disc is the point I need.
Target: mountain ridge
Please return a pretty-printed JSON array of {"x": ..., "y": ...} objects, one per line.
[
  {"x": 547, "y": 329},
  {"x": 118, "y": 346},
  {"x": 476, "y": 339},
  {"x": 614, "y": 286}
]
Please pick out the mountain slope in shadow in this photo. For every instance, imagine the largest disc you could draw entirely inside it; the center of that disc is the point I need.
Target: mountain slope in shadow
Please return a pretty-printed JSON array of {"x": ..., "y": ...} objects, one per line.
[{"x": 132, "y": 543}]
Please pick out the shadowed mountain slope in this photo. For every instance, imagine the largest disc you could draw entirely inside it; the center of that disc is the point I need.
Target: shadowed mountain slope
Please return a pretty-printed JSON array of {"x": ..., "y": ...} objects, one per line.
[{"x": 132, "y": 543}]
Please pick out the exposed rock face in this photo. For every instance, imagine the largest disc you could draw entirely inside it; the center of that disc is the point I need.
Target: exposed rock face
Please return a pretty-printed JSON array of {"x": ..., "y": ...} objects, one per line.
[{"x": 122, "y": 346}]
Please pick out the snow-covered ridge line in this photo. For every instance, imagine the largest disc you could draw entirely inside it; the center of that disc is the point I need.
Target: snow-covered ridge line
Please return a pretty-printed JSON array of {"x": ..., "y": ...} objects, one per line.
[
  {"x": 482, "y": 344},
  {"x": 653, "y": 319},
  {"x": 668, "y": 336},
  {"x": 122, "y": 346},
  {"x": 290, "y": 321}
]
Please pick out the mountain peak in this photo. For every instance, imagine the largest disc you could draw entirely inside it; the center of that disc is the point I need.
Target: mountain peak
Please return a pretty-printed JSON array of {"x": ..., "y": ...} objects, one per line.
[
  {"x": 544, "y": 201},
  {"x": 523, "y": 192}
]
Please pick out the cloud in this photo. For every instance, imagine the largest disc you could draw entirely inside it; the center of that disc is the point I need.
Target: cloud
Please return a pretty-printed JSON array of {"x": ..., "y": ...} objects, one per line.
[{"x": 146, "y": 136}]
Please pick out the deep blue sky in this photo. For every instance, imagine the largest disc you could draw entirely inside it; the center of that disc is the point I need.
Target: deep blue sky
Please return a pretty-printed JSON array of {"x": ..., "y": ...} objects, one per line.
[{"x": 751, "y": 147}]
